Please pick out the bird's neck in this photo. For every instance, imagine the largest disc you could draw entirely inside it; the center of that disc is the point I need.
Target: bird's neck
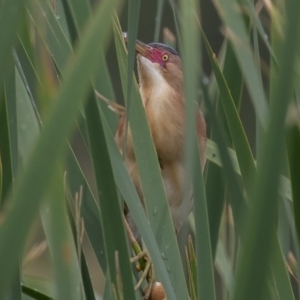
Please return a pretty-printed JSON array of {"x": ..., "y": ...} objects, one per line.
[{"x": 155, "y": 89}]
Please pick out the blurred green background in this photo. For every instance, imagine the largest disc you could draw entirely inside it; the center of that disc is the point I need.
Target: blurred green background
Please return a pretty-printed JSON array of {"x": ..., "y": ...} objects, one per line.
[{"x": 63, "y": 181}]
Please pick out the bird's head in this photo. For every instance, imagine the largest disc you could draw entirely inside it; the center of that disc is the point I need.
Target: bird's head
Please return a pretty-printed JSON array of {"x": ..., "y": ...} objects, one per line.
[{"x": 159, "y": 64}]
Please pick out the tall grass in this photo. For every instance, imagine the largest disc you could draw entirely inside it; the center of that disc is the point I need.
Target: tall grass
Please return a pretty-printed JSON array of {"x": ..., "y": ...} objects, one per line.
[{"x": 245, "y": 227}]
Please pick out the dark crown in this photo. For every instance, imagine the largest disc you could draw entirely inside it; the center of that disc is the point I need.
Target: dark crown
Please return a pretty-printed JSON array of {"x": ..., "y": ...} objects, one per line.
[{"x": 163, "y": 46}]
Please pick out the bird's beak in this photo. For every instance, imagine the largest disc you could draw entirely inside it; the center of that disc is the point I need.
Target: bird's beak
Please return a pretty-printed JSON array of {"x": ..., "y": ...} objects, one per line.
[
  {"x": 140, "y": 47},
  {"x": 143, "y": 49}
]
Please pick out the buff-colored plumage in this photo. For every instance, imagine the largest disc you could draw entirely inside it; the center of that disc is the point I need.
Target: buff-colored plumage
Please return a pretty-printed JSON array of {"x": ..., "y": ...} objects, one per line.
[{"x": 161, "y": 88}]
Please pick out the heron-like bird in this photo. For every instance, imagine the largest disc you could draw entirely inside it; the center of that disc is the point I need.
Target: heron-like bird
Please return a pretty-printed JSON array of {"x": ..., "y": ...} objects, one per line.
[{"x": 161, "y": 87}]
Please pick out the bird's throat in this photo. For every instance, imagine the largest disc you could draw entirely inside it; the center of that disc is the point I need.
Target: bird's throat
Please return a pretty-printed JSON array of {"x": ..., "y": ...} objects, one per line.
[{"x": 153, "y": 87}]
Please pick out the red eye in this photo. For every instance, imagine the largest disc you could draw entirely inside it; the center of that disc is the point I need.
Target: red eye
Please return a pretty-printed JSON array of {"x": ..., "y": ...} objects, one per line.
[{"x": 165, "y": 57}]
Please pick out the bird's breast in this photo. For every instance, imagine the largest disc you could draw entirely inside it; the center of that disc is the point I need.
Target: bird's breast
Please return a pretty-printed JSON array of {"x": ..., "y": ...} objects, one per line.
[{"x": 165, "y": 113}]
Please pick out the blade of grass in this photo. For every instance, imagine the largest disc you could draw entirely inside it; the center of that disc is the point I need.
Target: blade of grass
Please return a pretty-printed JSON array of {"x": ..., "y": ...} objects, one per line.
[
  {"x": 103, "y": 83},
  {"x": 28, "y": 119},
  {"x": 32, "y": 185},
  {"x": 107, "y": 290},
  {"x": 110, "y": 206},
  {"x": 258, "y": 230},
  {"x": 11, "y": 86},
  {"x": 192, "y": 268},
  {"x": 193, "y": 171},
  {"x": 259, "y": 130},
  {"x": 233, "y": 75},
  {"x": 213, "y": 155},
  {"x": 5, "y": 146},
  {"x": 215, "y": 185},
  {"x": 215, "y": 189},
  {"x": 280, "y": 272},
  {"x": 1, "y": 175},
  {"x": 248, "y": 6},
  {"x": 28, "y": 127},
  {"x": 78, "y": 227},
  {"x": 108, "y": 209},
  {"x": 237, "y": 200},
  {"x": 158, "y": 18},
  {"x": 236, "y": 32},
  {"x": 10, "y": 152},
  {"x": 10, "y": 18},
  {"x": 240, "y": 142},
  {"x": 89, "y": 209},
  {"x": 223, "y": 265},
  {"x": 55, "y": 38},
  {"x": 78, "y": 231},
  {"x": 133, "y": 202},
  {"x": 61, "y": 16},
  {"x": 133, "y": 19},
  {"x": 296, "y": 252},
  {"x": 81, "y": 12},
  {"x": 293, "y": 148},
  {"x": 67, "y": 275},
  {"x": 102, "y": 79},
  {"x": 75, "y": 176},
  {"x": 39, "y": 285},
  {"x": 61, "y": 244},
  {"x": 33, "y": 293}
]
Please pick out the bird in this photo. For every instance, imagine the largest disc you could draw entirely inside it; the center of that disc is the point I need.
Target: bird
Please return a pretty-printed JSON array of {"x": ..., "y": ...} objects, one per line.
[{"x": 161, "y": 87}]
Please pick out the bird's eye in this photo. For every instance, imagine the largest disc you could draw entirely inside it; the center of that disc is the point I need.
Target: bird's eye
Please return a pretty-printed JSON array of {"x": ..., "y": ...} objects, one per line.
[{"x": 165, "y": 57}]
